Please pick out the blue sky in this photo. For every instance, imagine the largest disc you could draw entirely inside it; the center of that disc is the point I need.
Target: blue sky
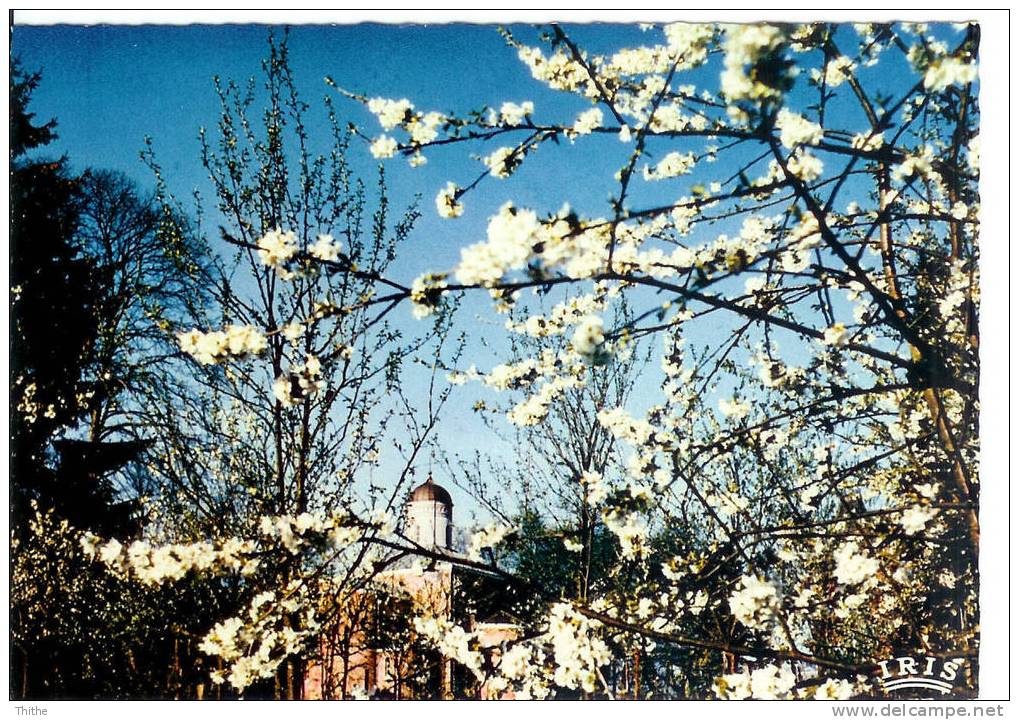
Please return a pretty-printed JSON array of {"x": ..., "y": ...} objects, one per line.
[{"x": 111, "y": 86}]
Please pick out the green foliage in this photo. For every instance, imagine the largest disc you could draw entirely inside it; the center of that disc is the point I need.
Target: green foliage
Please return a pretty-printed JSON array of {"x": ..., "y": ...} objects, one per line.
[
  {"x": 92, "y": 278},
  {"x": 79, "y": 632}
]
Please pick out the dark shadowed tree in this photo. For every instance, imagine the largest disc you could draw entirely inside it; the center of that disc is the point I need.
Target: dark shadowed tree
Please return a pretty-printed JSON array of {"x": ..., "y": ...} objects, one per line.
[
  {"x": 150, "y": 268},
  {"x": 53, "y": 321}
]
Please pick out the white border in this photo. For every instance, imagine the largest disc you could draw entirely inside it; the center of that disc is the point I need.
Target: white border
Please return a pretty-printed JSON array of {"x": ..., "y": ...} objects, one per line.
[
  {"x": 996, "y": 264},
  {"x": 514, "y": 15}
]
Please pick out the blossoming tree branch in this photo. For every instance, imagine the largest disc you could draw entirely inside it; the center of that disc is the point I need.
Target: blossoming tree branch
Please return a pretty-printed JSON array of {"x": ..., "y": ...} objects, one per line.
[{"x": 811, "y": 294}]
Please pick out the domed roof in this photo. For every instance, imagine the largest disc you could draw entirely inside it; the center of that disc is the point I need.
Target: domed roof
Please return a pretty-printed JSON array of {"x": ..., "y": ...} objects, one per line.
[{"x": 429, "y": 491}]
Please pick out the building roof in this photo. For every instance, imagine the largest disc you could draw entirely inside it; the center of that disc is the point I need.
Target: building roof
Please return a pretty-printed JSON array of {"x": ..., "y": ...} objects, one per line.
[{"x": 429, "y": 491}]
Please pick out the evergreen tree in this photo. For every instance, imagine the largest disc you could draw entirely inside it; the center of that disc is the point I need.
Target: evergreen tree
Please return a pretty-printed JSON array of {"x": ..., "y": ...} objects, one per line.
[{"x": 53, "y": 320}]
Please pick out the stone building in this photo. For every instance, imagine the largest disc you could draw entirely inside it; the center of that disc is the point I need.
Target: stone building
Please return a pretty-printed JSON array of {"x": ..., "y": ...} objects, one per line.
[{"x": 369, "y": 653}]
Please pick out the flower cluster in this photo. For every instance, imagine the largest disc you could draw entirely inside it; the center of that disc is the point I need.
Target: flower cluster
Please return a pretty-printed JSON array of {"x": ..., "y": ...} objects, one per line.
[
  {"x": 504, "y": 161},
  {"x": 383, "y": 147},
  {"x": 390, "y": 113},
  {"x": 754, "y": 602},
  {"x": 254, "y": 644},
  {"x": 836, "y": 72},
  {"x": 422, "y": 128},
  {"x": 771, "y": 682},
  {"x": 325, "y": 248},
  {"x": 836, "y": 335},
  {"x": 949, "y": 71},
  {"x": 300, "y": 383},
  {"x": 488, "y": 537},
  {"x": 630, "y": 529},
  {"x": 512, "y": 235},
  {"x": 796, "y": 130},
  {"x": 852, "y": 565},
  {"x": 213, "y": 347},
  {"x": 570, "y": 312},
  {"x": 868, "y": 141},
  {"x": 426, "y": 294},
  {"x": 587, "y": 122},
  {"x": 915, "y": 519},
  {"x": 513, "y": 114},
  {"x": 153, "y": 564},
  {"x": 452, "y": 641},
  {"x": 748, "y": 48},
  {"x": 672, "y": 165},
  {"x": 589, "y": 340},
  {"x": 777, "y": 682},
  {"x": 276, "y": 248},
  {"x": 577, "y": 651},
  {"x": 918, "y": 165},
  {"x": 447, "y": 203}
]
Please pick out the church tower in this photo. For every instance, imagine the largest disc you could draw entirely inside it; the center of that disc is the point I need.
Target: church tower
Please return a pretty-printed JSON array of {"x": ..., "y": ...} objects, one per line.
[{"x": 430, "y": 516}]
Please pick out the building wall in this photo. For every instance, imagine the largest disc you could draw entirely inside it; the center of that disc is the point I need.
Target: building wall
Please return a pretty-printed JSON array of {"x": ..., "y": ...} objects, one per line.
[
  {"x": 349, "y": 650},
  {"x": 381, "y": 673}
]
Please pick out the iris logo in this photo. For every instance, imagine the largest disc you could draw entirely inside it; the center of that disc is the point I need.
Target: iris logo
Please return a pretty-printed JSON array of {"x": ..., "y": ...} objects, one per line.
[{"x": 926, "y": 673}]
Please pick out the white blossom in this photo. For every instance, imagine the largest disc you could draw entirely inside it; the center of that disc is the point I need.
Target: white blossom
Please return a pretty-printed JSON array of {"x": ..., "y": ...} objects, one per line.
[
  {"x": 949, "y": 71},
  {"x": 488, "y": 537},
  {"x": 426, "y": 294},
  {"x": 325, "y": 248},
  {"x": 511, "y": 237},
  {"x": 383, "y": 147},
  {"x": 733, "y": 408},
  {"x": 588, "y": 121},
  {"x": 672, "y": 165},
  {"x": 589, "y": 339},
  {"x": 916, "y": 518},
  {"x": 277, "y": 247},
  {"x": 853, "y": 566},
  {"x": 390, "y": 112},
  {"x": 572, "y": 545},
  {"x": 834, "y": 689},
  {"x": 232, "y": 341},
  {"x": 513, "y": 114},
  {"x": 754, "y": 602},
  {"x": 868, "y": 141},
  {"x": 504, "y": 161},
  {"x": 796, "y": 130},
  {"x": 836, "y": 72},
  {"x": 836, "y": 335},
  {"x": 446, "y": 202},
  {"x": 744, "y": 46},
  {"x": 805, "y": 166}
]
